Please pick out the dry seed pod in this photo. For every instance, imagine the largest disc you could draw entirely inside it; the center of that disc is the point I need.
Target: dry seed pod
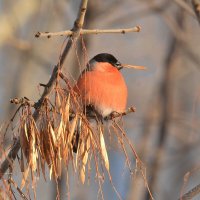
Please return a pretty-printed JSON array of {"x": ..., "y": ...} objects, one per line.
[
  {"x": 24, "y": 140},
  {"x": 82, "y": 174},
  {"x": 104, "y": 151}
]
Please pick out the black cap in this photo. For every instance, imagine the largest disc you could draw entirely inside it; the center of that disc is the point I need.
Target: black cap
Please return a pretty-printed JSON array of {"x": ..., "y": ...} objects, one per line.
[{"x": 106, "y": 57}]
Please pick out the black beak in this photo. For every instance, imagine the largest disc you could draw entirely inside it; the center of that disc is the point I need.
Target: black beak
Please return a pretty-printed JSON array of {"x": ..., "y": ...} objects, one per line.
[{"x": 120, "y": 67}]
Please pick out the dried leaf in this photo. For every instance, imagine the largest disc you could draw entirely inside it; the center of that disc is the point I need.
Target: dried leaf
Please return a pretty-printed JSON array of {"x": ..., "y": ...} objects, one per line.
[
  {"x": 66, "y": 110},
  {"x": 82, "y": 148},
  {"x": 82, "y": 174},
  {"x": 26, "y": 131},
  {"x": 79, "y": 153},
  {"x": 58, "y": 101},
  {"x": 104, "y": 151},
  {"x": 38, "y": 167},
  {"x": 51, "y": 172},
  {"x": 33, "y": 151},
  {"x": 92, "y": 139},
  {"x": 72, "y": 129},
  {"x": 60, "y": 129},
  {"x": 34, "y": 160},
  {"x": 88, "y": 142},
  {"x": 25, "y": 175},
  {"x": 43, "y": 168},
  {"x": 52, "y": 133},
  {"x": 85, "y": 158},
  {"x": 24, "y": 142},
  {"x": 59, "y": 167}
]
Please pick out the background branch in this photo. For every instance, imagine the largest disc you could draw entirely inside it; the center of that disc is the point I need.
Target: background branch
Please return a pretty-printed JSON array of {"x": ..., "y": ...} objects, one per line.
[
  {"x": 192, "y": 193},
  {"x": 165, "y": 99},
  {"x": 185, "y": 6},
  {"x": 196, "y": 6}
]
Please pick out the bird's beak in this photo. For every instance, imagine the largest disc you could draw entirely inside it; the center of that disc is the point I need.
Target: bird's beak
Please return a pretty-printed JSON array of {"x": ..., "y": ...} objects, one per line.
[{"x": 133, "y": 67}]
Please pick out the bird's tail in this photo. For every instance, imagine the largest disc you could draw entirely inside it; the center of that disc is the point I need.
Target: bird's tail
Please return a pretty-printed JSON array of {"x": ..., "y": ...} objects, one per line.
[
  {"x": 93, "y": 118},
  {"x": 76, "y": 136}
]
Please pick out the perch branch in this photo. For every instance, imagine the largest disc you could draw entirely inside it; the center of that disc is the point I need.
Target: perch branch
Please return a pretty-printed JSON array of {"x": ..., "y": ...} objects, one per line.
[
  {"x": 116, "y": 114},
  {"x": 88, "y": 31},
  {"x": 76, "y": 32}
]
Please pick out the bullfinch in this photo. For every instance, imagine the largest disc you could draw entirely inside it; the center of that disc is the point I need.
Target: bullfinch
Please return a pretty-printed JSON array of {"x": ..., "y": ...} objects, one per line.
[{"x": 101, "y": 87}]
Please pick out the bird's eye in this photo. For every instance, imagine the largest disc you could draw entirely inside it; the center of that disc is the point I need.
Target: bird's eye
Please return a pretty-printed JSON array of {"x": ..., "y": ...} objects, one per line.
[{"x": 118, "y": 63}]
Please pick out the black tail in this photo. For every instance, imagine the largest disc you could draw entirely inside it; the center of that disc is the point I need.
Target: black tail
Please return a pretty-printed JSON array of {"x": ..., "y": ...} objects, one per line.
[{"x": 75, "y": 141}]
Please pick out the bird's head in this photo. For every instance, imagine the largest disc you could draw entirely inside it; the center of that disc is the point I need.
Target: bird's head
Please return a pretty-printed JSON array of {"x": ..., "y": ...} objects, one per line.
[{"x": 107, "y": 59}]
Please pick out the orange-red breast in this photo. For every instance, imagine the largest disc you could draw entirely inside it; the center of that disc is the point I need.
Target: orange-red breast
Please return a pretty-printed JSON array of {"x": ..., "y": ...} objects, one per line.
[{"x": 102, "y": 86}]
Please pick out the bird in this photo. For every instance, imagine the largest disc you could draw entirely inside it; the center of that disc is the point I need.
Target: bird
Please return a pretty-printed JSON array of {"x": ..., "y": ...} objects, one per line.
[{"x": 102, "y": 88}]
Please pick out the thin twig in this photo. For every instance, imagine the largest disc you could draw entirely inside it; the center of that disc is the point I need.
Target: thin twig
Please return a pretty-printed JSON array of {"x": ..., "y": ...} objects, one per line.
[
  {"x": 116, "y": 114},
  {"x": 50, "y": 34},
  {"x": 89, "y": 31},
  {"x": 123, "y": 31},
  {"x": 11, "y": 120},
  {"x": 191, "y": 193},
  {"x": 22, "y": 101},
  {"x": 76, "y": 32},
  {"x": 18, "y": 189}
]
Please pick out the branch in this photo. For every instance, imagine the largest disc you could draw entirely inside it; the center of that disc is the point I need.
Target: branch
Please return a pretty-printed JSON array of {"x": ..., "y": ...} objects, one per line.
[
  {"x": 23, "y": 196},
  {"x": 165, "y": 96},
  {"x": 188, "y": 9},
  {"x": 116, "y": 114},
  {"x": 76, "y": 32},
  {"x": 22, "y": 101},
  {"x": 181, "y": 38},
  {"x": 88, "y": 31},
  {"x": 196, "y": 6},
  {"x": 191, "y": 193},
  {"x": 185, "y": 6},
  {"x": 123, "y": 31}
]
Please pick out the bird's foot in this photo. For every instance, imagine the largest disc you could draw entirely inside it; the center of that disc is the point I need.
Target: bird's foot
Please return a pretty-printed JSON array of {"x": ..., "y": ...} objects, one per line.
[{"x": 112, "y": 115}]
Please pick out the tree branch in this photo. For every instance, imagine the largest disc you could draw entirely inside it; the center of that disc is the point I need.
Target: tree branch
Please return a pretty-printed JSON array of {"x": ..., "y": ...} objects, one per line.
[
  {"x": 165, "y": 97},
  {"x": 196, "y": 6},
  {"x": 191, "y": 193},
  {"x": 185, "y": 6},
  {"x": 116, "y": 114},
  {"x": 76, "y": 32},
  {"x": 88, "y": 31},
  {"x": 188, "y": 9}
]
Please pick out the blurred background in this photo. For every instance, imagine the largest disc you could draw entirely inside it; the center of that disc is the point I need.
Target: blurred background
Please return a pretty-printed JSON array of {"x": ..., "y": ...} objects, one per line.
[{"x": 165, "y": 128}]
